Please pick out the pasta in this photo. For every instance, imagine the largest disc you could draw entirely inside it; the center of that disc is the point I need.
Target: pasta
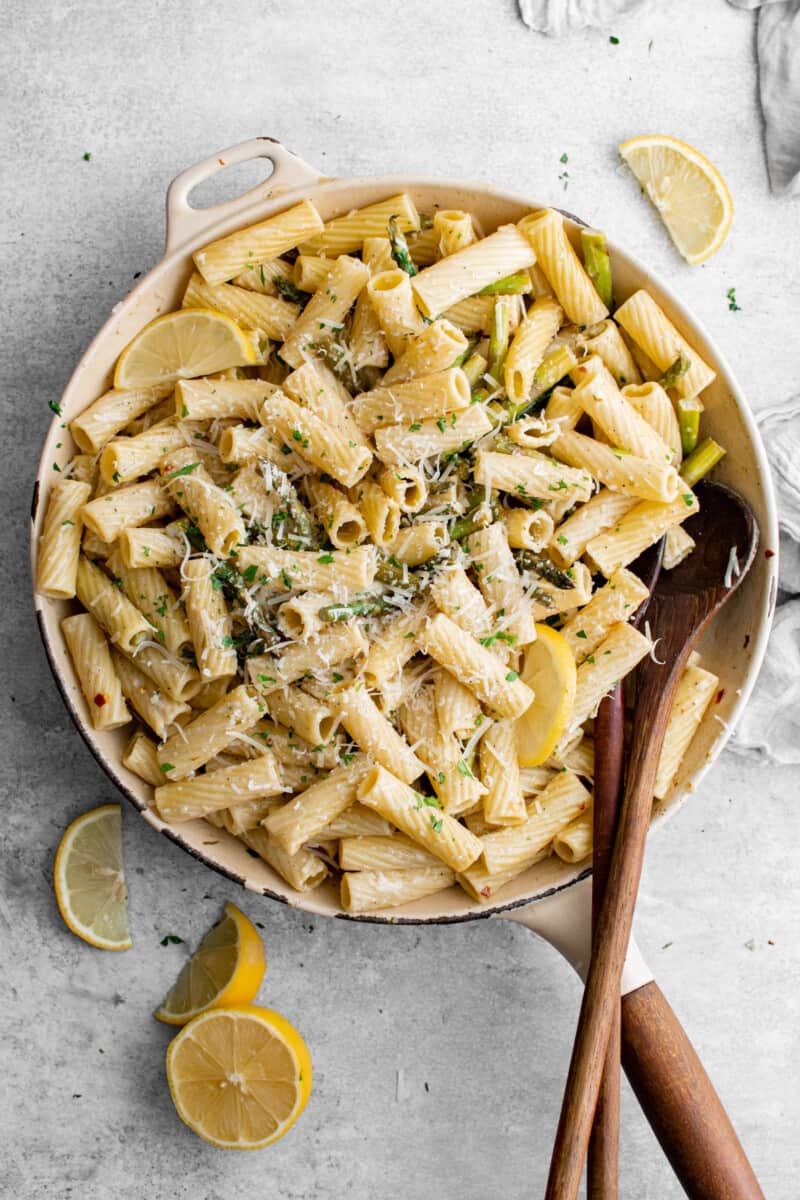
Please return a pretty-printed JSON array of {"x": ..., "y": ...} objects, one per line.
[{"x": 312, "y": 585}]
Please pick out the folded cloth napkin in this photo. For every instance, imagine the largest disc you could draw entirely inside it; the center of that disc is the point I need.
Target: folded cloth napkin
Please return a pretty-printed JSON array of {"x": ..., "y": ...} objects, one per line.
[{"x": 778, "y": 66}]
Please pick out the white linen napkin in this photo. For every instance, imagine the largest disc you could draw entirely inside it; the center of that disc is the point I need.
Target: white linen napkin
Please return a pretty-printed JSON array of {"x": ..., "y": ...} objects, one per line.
[{"x": 778, "y": 66}]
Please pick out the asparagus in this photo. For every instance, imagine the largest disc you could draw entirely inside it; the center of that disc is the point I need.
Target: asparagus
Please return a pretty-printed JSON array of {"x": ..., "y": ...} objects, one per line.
[
  {"x": 512, "y": 285},
  {"x": 551, "y": 370},
  {"x": 290, "y": 292},
  {"x": 292, "y": 527},
  {"x": 400, "y": 251},
  {"x": 498, "y": 338},
  {"x": 701, "y": 461},
  {"x": 689, "y": 422},
  {"x": 675, "y": 371},
  {"x": 598, "y": 263},
  {"x": 527, "y": 560},
  {"x": 474, "y": 368},
  {"x": 353, "y": 608}
]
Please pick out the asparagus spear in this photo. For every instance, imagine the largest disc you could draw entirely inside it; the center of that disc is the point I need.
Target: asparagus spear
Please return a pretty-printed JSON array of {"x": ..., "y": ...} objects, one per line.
[
  {"x": 353, "y": 608},
  {"x": 474, "y": 368},
  {"x": 498, "y": 338},
  {"x": 400, "y": 251},
  {"x": 701, "y": 461},
  {"x": 292, "y": 527},
  {"x": 597, "y": 263},
  {"x": 675, "y": 371},
  {"x": 512, "y": 285},
  {"x": 689, "y": 422},
  {"x": 290, "y": 292},
  {"x": 527, "y": 560},
  {"x": 551, "y": 371}
]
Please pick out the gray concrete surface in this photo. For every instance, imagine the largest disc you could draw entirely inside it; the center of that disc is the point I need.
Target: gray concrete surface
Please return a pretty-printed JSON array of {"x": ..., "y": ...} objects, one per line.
[{"x": 439, "y": 1053}]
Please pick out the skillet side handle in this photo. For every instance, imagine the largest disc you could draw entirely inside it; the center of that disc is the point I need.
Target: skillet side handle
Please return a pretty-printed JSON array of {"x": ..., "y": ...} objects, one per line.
[
  {"x": 679, "y": 1101},
  {"x": 184, "y": 222}
]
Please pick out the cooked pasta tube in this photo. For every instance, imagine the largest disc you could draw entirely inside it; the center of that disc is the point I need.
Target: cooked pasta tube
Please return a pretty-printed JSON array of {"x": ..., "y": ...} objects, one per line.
[
  {"x": 263, "y": 277},
  {"x": 141, "y": 757},
  {"x": 189, "y": 484},
  {"x": 243, "y": 444},
  {"x": 381, "y": 513},
  {"x": 212, "y": 399},
  {"x": 109, "y": 515},
  {"x": 322, "y": 570},
  {"x": 193, "y": 745},
  {"x": 376, "y": 252},
  {"x": 532, "y": 433},
  {"x": 454, "y": 230},
  {"x": 324, "y": 315},
  {"x": 60, "y": 542},
  {"x": 532, "y": 475},
  {"x": 330, "y": 649},
  {"x": 654, "y": 405},
  {"x": 400, "y": 444},
  {"x": 124, "y": 624},
  {"x": 147, "y": 588},
  {"x": 303, "y": 818},
  {"x": 500, "y": 582},
  {"x": 374, "y": 734},
  {"x": 302, "y": 871},
  {"x": 155, "y": 707},
  {"x": 600, "y": 513},
  {"x": 420, "y": 817},
  {"x": 244, "y": 815},
  {"x": 393, "y": 303},
  {"x": 651, "y": 329},
  {"x": 530, "y": 341},
  {"x": 678, "y": 545},
  {"x": 209, "y": 621},
  {"x": 527, "y": 529},
  {"x": 499, "y": 688},
  {"x": 606, "y": 341},
  {"x": 695, "y": 692},
  {"x": 356, "y": 821},
  {"x": 483, "y": 886},
  {"x": 560, "y": 803},
  {"x": 416, "y": 544},
  {"x": 573, "y": 843},
  {"x": 395, "y": 642},
  {"x": 618, "y": 653},
  {"x": 617, "y": 469},
  {"x": 639, "y": 528},
  {"x": 435, "y": 348},
  {"x": 473, "y": 315},
  {"x": 367, "y": 891},
  {"x": 405, "y": 485},
  {"x": 315, "y": 386},
  {"x": 341, "y": 520},
  {"x": 299, "y": 617},
  {"x": 563, "y": 269},
  {"x": 617, "y": 601},
  {"x": 623, "y": 426},
  {"x": 214, "y": 790},
  {"x": 124, "y": 459},
  {"x": 467, "y": 271},
  {"x": 94, "y": 667},
  {"x": 147, "y": 546},
  {"x": 312, "y": 719},
  {"x": 343, "y": 235},
  {"x": 315, "y": 441},
  {"x": 176, "y": 677},
  {"x": 221, "y": 260},
  {"x": 457, "y": 709},
  {"x": 209, "y": 693},
  {"x": 549, "y": 599},
  {"x": 456, "y": 596},
  {"x": 310, "y": 271},
  {"x": 418, "y": 720},
  {"x": 395, "y": 853},
  {"x": 110, "y": 413},
  {"x": 503, "y": 803},
  {"x": 250, "y": 310},
  {"x": 427, "y": 396},
  {"x": 460, "y": 790}
]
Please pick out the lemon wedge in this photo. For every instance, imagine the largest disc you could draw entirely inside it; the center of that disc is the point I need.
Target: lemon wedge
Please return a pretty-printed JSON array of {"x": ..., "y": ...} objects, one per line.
[
  {"x": 549, "y": 668},
  {"x": 226, "y": 969},
  {"x": 239, "y": 1077},
  {"x": 688, "y": 192},
  {"x": 89, "y": 879},
  {"x": 183, "y": 345}
]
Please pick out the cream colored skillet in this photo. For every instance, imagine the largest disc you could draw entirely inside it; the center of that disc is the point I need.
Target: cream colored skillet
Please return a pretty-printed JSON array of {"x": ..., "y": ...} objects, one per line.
[{"x": 552, "y": 899}]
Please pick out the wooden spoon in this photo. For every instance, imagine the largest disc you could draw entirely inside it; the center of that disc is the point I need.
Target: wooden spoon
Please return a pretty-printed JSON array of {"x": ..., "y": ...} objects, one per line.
[
  {"x": 684, "y": 602},
  {"x": 602, "y": 1168}
]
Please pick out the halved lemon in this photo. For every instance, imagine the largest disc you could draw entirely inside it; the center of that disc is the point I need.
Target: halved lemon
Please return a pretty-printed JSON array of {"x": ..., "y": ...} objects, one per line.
[
  {"x": 688, "y": 192},
  {"x": 226, "y": 969},
  {"x": 549, "y": 668},
  {"x": 89, "y": 879},
  {"x": 239, "y": 1077},
  {"x": 183, "y": 345}
]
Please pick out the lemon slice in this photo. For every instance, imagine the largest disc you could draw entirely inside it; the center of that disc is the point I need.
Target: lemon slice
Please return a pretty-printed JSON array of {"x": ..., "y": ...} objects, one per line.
[
  {"x": 689, "y": 193},
  {"x": 89, "y": 879},
  {"x": 239, "y": 1077},
  {"x": 548, "y": 668},
  {"x": 183, "y": 345},
  {"x": 226, "y": 969}
]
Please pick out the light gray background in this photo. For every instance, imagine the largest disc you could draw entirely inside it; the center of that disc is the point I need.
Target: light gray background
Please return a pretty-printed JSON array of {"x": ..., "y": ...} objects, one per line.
[{"x": 439, "y": 1054}]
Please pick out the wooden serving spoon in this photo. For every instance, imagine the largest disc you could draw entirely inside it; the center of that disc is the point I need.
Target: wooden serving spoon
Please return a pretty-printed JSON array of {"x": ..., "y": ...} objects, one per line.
[
  {"x": 602, "y": 1167},
  {"x": 683, "y": 603}
]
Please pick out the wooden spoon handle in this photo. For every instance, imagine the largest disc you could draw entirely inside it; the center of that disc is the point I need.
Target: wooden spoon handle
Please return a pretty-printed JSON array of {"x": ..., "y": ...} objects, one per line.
[
  {"x": 602, "y": 1172},
  {"x": 680, "y": 1102}
]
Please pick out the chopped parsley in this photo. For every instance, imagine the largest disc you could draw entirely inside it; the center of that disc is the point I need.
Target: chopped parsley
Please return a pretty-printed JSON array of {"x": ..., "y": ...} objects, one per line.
[
  {"x": 172, "y": 939},
  {"x": 614, "y": 40},
  {"x": 325, "y": 558},
  {"x": 732, "y": 304},
  {"x": 165, "y": 767},
  {"x": 187, "y": 470},
  {"x": 512, "y": 676},
  {"x": 87, "y": 156},
  {"x": 55, "y": 407}
]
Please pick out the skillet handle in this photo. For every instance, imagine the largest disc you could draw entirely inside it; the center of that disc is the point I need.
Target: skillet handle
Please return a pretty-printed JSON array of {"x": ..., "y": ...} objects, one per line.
[
  {"x": 185, "y": 223},
  {"x": 680, "y": 1102}
]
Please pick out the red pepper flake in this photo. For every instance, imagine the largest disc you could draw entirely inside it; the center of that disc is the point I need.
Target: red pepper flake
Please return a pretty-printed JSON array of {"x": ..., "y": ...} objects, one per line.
[
  {"x": 486, "y": 892},
  {"x": 769, "y": 554},
  {"x": 770, "y": 942},
  {"x": 100, "y": 700},
  {"x": 720, "y": 694}
]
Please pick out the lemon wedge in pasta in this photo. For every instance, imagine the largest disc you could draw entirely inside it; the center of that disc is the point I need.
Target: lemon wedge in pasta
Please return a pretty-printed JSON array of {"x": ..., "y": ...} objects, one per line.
[
  {"x": 226, "y": 969},
  {"x": 688, "y": 192},
  {"x": 183, "y": 345},
  {"x": 89, "y": 879},
  {"x": 549, "y": 669},
  {"x": 239, "y": 1077}
]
